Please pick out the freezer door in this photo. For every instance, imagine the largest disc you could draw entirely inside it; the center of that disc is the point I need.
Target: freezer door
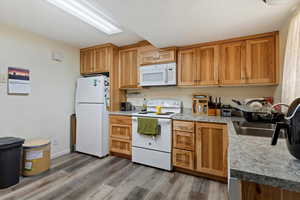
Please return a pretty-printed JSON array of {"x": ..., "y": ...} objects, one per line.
[
  {"x": 90, "y": 90},
  {"x": 92, "y": 132}
]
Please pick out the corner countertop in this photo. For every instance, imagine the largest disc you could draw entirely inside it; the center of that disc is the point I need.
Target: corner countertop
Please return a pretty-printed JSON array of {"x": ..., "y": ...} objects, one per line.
[{"x": 253, "y": 158}]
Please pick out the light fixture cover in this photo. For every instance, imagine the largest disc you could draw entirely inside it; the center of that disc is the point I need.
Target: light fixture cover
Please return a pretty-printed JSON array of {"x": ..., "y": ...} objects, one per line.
[
  {"x": 87, "y": 13},
  {"x": 276, "y": 2}
]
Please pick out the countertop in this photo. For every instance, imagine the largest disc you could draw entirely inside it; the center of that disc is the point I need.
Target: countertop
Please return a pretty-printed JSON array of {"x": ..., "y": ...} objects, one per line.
[{"x": 253, "y": 158}]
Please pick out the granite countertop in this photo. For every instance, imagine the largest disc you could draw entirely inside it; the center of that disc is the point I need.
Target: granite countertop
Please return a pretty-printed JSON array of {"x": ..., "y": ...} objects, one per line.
[
  {"x": 253, "y": 158},
  {"x": 126, "y": 113}
]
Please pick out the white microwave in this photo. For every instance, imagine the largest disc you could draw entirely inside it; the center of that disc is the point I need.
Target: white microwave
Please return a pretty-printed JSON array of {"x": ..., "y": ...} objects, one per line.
[{"x": 158, "y": 75}]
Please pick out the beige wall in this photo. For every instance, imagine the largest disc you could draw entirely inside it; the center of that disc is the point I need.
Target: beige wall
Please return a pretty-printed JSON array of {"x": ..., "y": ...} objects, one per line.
[
  {"x": 45, "y": 111},
  {"x": 185, "y": 94}
]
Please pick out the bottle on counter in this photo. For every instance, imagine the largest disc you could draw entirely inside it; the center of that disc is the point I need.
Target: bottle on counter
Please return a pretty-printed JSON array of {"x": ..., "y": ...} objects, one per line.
[
  {"x": 144, "y": 108},
  {"x": 211, "y": 107},
  {"x": 218, "y": 107}
]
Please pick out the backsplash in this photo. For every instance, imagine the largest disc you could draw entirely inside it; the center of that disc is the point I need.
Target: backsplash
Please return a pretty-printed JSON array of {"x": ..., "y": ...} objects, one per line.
[{"x": 185, "y": 94}]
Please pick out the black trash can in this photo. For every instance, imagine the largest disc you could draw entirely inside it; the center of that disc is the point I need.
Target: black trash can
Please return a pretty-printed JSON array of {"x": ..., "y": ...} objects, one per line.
[{"x": 10, "y": 155}]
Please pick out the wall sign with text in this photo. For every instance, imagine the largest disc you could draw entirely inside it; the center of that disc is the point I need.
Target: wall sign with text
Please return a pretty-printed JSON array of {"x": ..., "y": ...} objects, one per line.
[{"x": 18, "y": 81}]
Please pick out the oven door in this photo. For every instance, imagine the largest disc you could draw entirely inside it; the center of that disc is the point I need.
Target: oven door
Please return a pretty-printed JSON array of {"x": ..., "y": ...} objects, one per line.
[
  {"x": 153, "y": 76},
  {"x": 161, "y": 142}
]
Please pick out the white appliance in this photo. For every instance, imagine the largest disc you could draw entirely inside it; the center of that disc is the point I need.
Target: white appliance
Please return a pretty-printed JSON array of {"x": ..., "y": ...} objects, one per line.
[
  {"x": 157, "y": 75},
  {"x": 92, "y": 98},
  {"x": 155, "y": 151}
]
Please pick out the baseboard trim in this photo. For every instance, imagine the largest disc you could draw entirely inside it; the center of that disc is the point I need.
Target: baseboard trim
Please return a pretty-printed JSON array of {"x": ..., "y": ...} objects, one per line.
[{"x": 58, "y": 154}]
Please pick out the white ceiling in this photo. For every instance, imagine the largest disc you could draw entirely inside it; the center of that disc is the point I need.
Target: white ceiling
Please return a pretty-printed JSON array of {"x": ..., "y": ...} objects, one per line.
[
  {"x": 162, "y": 22},
  {"x": 43, "y": 18},
  {"x": 182, "y": 22}
]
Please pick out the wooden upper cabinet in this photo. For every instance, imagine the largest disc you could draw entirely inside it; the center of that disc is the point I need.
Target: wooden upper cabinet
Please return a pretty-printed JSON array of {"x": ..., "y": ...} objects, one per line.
[
  {"x": 198, "y": 66},
  {"x": 260, "y": 60},
  {"x": 128, "y": 68},
  {"x": 211, "y": 149},
  {"x": 167, "y": 55},
  {"x": 187, "y": 67},
  {"x": 87, "y": 61},
  {"x": 232, "y": 64},
  {"x": 102, "y": 60},
  {"x": 150, "y": 55},
  {"x": 207, "y": 65}
]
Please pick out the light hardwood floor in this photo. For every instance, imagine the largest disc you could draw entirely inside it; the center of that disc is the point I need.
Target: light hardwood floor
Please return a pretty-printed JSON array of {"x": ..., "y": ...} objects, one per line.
[{"x": 78, "y": 176}]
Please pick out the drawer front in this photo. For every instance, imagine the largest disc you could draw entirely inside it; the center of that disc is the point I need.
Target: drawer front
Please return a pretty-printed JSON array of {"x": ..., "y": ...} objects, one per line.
[
  {"x": 184, "y": 140},
  {"x": 183, "y": 126},
  {"x": 183, "y": 159},
  {"x": 120, "y": 131},
  {"x": 120, "y": 146},
  {"x": 119, "y": 119}
]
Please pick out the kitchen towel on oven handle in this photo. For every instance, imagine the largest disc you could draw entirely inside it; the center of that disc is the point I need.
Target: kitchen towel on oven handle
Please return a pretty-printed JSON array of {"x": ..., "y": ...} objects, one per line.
[{"x": 148, "y": 126}]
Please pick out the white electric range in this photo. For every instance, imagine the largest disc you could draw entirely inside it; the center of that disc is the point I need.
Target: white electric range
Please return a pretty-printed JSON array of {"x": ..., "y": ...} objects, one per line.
[{"x": 155, "y": 151}]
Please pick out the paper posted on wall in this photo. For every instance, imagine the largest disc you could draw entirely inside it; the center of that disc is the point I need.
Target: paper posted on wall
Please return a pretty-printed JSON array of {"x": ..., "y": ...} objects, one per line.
[{"x": 18, "y": 81}]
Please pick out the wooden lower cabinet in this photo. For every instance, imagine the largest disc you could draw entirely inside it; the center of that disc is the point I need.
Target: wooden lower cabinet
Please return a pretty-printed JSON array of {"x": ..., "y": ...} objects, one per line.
[
  {"x": 120, "y": 134},
  {"x": 120, "y": 146},
  {"x": 211, "y": 148},
  {"x": 183, "y": 140},
  {"x": 200, "y": 147},
  {"x": 254, "y": 191},
  {"x": 183, "y": 159}
]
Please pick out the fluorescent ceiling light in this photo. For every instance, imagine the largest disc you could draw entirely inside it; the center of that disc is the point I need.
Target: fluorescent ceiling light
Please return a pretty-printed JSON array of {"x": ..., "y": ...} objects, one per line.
[
  {"x": 276, "y": 2},
  {"x": 87, "y": 13}
]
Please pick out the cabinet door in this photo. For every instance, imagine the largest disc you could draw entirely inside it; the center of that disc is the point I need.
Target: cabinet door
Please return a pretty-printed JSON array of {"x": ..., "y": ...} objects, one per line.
[
  {"x": 148, "y": 55},
  {"x": 167, "y": 55},
  {"x": 121, "y": 131},
  {"x": 120, "y": 146},
  {"x": 183, "y": 159},
  {"x": 87, "y": 61},
  {"x": 128, "y": 69},
  {"x": 260, "y": 62},
  {"x": 183, "y": 140},
  {"x": 187, "y": 67},
  {"x": 232, "y": 66},
  {"x": 207, "y": 65},
  {"x": 211, "y": 149},
  {"x": 102, "y": 60}
]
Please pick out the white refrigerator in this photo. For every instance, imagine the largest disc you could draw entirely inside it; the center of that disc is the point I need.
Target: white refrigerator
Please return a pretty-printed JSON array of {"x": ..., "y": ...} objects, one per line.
[{"x": 92, "y": 94}]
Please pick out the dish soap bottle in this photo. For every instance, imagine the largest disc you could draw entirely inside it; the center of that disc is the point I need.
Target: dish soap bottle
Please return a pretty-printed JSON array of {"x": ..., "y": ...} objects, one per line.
[{"x": 144, "y": 108}]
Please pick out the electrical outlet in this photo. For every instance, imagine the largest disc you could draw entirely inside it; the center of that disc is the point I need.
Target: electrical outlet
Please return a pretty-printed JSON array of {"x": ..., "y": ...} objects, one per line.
[
  {"x": 3, "y": 75},
  {"x": 3, "y": 78}
]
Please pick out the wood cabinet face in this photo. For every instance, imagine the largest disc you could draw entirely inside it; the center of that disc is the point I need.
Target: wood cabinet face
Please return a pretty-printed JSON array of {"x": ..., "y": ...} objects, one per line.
[
  {"x": 87, "y": 61},
  {"x": 232, "y": 64},
  {"x": 187, "y": 67},
  {"x": 256, "y": 191},
  {"x": 183, "y": 159},
  {"x": 120, "y": 134},
  {"x": 186, "y": 126},
  {"x": 148, "y": 55},
  {"x": 183, "y": 140},
  {"x": 211, "y": 149},
  {"x": 128, "y": 69},
  {"x": 120, "y": 146},
  {"x": 102, "y": 60},
  {"x": 120, "y": 131},
  {"x": 260, "y": 63},
  {"x": 207, "y": 65},
  {"x": 166, "y": 56}
]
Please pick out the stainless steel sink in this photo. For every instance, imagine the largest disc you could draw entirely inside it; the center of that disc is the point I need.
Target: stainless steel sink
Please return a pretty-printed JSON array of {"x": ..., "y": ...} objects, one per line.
[{"x": 255, "y": 129}]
